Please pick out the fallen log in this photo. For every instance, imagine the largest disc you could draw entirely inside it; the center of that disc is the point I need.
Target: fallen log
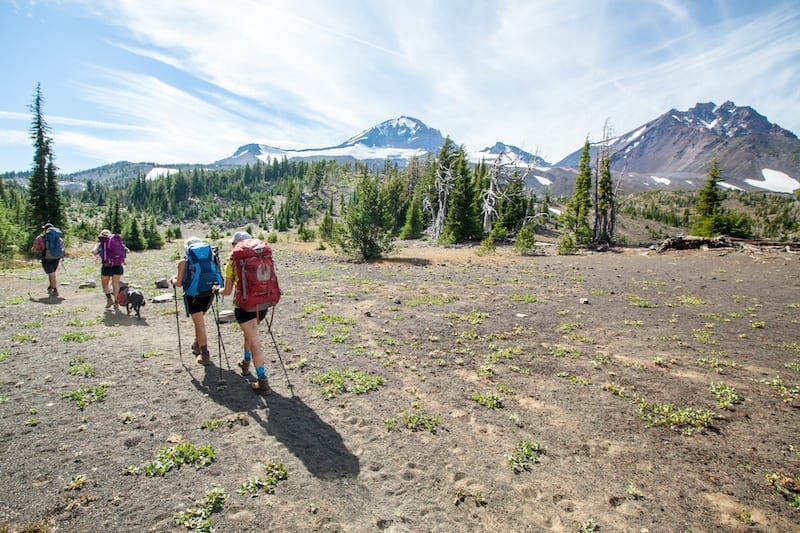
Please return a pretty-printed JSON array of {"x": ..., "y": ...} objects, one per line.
[{"x": 691, "y": 243}]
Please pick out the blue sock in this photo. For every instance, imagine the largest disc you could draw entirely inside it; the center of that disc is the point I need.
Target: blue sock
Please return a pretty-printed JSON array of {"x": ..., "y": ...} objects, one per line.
[
  {"x": 247, "y": 355},
  {"x": 261, "y": 373}
]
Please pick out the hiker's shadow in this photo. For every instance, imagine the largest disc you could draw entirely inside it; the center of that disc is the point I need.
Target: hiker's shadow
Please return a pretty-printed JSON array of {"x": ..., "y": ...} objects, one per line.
[
  {"x": 293, "y": 423},
  {"x": 48, "y": 300}
]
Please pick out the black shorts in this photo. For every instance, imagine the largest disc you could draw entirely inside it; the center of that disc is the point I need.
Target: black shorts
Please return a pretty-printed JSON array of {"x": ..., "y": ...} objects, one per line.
[
  {"x": 197, "y": 304},
  {"x": 107, "y": 270},
  {"x": 243, "y": 316},
  {"x": 50, "y": 265}
]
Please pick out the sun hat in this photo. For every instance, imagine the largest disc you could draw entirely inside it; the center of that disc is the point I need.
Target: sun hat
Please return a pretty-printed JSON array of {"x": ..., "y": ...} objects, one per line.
[
  {"x": 240, "y": 236},
  {"x": 192, "y": 240},
  {"x": 105, "y": 233}
]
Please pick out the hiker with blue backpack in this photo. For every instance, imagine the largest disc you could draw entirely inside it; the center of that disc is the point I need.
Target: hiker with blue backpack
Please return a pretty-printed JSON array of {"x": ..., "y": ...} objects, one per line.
[
  {"x": 198, "y": 272},
  {"x": 50, "y": 245},
  {"x": 112, "y": 252}
]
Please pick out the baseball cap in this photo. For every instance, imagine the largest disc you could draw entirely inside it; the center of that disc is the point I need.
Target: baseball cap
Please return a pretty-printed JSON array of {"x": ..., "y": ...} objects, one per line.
[
  {"x": 240, "y": 236},
  {"x": 192, "y": 240},
  {"x": 47, "y": 226}
]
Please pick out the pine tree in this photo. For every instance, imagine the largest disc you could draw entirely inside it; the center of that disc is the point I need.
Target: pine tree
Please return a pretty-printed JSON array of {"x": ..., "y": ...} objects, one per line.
[
  {"x": 366, "y": 231},
  {"x": 133, "y": 237},
  {"x": 576, "y": 214},
  {"x": 413, "y": 227},
  {"x": 44, "y": 200},
  {"x": 462, "y": 222}
]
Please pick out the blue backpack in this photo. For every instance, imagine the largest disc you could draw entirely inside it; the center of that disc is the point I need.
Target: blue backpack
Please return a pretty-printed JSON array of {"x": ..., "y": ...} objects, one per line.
[
  {"x": 53, "y": 244},
  {"x": 201, "y": 271}
]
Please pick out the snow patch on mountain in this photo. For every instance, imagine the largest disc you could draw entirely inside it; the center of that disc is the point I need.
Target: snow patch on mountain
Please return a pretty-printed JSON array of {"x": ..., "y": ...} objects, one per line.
[
  {"x": 157, "y": 172},
  {"x": 775, "y": 181}
]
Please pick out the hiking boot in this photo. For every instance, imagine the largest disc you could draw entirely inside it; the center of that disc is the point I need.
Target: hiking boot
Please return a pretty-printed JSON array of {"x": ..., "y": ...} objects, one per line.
[
  {"x": 245, "y": 366},
  {"x": 205, "y": 357},
  {"x": 195, "y": 348},
  {"x": 261, "y": 387},
  {"x": 54, "y": 294},
  {"x": 109, "y": 301}
]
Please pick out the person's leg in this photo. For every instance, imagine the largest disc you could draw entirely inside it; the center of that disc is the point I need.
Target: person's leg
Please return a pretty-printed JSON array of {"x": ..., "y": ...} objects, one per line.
[
  {"x": 250, "y": 331},
  {"x": 115, "y": 290},
  {"x": 201, "y": 338},
  {"x": 104, "y": 283},
  {"x": 247, "y": 356}
]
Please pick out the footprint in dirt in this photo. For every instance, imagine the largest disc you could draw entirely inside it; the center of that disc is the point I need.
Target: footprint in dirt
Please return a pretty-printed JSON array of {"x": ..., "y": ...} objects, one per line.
[{"x": 287, "y": 418}]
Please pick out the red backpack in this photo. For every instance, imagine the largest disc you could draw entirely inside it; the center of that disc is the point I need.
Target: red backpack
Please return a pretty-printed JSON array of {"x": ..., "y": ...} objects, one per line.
[{"x": 256, "y": 283}]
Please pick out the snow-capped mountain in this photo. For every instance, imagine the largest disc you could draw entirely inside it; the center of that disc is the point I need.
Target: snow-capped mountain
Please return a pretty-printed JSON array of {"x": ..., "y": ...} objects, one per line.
[
  {"x": 396, "y": 140},
  {"x": 511, "y": 154},
  {"x": 675, "y": 150}
]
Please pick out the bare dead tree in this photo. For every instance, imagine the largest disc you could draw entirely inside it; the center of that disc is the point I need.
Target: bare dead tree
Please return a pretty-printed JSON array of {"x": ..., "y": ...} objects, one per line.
[
  {"x": 505, "y": 169},
  {"x": 438, "y": 211},
  {"x": 604, "y": 192}
]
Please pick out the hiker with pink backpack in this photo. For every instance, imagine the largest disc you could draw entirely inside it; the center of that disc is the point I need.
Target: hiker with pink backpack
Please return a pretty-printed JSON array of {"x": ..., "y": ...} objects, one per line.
[{"x": 112, "y": 252}]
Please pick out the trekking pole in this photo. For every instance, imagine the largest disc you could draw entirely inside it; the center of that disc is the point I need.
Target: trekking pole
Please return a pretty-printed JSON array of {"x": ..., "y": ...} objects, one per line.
[
  {"x": 220, "y": 342},
  {"x": 275, "y": 343},
  {"x": 177, "y": 321}
]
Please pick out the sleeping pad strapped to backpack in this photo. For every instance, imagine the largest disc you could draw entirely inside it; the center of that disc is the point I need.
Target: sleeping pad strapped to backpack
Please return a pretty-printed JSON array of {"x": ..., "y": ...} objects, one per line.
[
  {"x": 256, "y": 284},
  {"x": 201, "y": 271}
]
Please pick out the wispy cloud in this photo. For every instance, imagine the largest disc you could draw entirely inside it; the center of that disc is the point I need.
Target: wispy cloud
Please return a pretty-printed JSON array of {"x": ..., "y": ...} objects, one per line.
[{"x": 211, "y": 76}]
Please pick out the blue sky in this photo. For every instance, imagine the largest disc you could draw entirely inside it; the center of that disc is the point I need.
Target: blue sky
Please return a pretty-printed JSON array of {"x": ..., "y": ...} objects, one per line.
[{"x": 189, "y": 81}]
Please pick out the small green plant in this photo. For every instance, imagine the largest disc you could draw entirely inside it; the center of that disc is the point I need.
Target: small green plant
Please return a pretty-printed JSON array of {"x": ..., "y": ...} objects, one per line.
[
  {"x": 690, "y": 300},
  {"x": 22, "y": 337},
  {"x": 757, "y": 325},
  {"x": 32, "y": 325},
  {"x": 725, "y": 395},
  {"x": 634, "y": 323},
  {"x": 416, "y": 419},
  {"x": 84, "y": 395},
  {"x": 560, "y": 351},
  {"x": 474, "y": 317},
  {"x": 199, "y": 517},
  {"x": 76, "y": 482},
  {"x": 127, "y": 417},
  {"x": 793, "y": 366},
  {"x": 340, "y": 380},
  {"x": 230, "y": 421},
  {"x": 275, "y": 474},
  {"x": 787, "y": 393},
  {"x": 130, "y": 470},
  {"x": 316, "y": 331},
  {"x": 489, "y": 400},
  {"x": 525, "y": 298},
  {"x": 4, "y": 355},
  {"x": 331, "y": 318},
  {"x": 638, "y": 301},
  {"x": 524, "y": 454},
  {"x": 587, "y": 526},
  {"x": 634, "y": 492},
  {"x": 686, "y": 419},
  {"x": 77, "y": 336},
  {"x": 746, "y": 517},
  {"x": 575, "y": 380},
  {"x": 788, "y": 487},
  {"x": 170, "y": 457},
  {"x": 78, "y": 367},
  {"x": 151, "y": 353},
  {"x": 704, "y": 336},
  {"x": 33, "y": 422}
]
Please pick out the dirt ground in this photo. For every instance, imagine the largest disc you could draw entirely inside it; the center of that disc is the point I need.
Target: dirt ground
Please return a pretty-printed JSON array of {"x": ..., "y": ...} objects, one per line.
[{"x": 578, "y": 349}]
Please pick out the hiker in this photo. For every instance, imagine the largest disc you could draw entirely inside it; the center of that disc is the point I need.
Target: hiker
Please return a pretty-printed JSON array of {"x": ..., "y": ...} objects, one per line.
[
  {"x": 197, "y": 273},
  {"x": 112, "y": 252},
  {"x": 51, "y": 247},
  {"x": 250, "y": 310}
]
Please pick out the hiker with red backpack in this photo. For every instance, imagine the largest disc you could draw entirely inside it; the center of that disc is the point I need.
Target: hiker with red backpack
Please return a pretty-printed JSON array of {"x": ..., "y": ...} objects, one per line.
[
  {"x": 251, "y": 273},
  {"x": 51, "y": 247},
  {"x": 198, "y": 273},
  {"x": 112, "y": 252}
]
